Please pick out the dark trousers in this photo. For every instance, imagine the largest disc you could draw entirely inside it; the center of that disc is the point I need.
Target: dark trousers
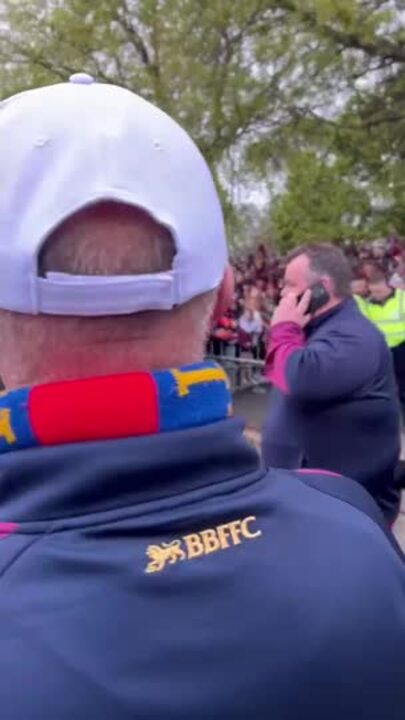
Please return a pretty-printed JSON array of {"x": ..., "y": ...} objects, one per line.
[{"x": 398, "y": 356}]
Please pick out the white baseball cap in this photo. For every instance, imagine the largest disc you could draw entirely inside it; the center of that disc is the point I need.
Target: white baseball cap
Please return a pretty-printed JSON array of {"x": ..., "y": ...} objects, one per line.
[{"x": 68, "y": 146}]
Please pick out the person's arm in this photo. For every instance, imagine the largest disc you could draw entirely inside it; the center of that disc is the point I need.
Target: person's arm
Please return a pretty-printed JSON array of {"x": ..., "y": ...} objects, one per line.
[
  {"x": 331, "y": 367},
  {"x": 258, "y": 323},
  {"x": 242, "y": 322}
]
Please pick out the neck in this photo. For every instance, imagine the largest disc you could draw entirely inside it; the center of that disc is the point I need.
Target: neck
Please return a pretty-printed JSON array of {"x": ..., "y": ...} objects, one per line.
[
  {"x": 332, "y": 303},
  {"x": 387, "y": 293},
  {"x": 92, "y": 361},
  {"x": 47, "y": 348}
]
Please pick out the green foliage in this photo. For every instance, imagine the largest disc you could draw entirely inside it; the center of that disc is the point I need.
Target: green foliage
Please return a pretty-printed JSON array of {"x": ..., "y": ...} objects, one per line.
[
  {"x": 352, "y": 115},
  {"x": 320, "y": 202},
  {"x": 195, "y": 59},
  {"x": 307, "y": 94}
]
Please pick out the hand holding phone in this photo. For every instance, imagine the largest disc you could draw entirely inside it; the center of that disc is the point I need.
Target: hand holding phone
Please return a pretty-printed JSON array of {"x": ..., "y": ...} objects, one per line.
[
  {"x": 300, "y": 310},
  {"x": 292, "y": 309},
  {"x": 319, "y": 297}
]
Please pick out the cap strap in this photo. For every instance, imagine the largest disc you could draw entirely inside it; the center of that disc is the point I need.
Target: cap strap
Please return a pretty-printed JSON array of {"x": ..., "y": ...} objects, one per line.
[{"x": 61, "y": 294}]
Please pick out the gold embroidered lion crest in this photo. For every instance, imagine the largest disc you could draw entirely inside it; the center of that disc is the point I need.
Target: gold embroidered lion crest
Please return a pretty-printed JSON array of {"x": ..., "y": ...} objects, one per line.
[{"x": 161, "y": 555}]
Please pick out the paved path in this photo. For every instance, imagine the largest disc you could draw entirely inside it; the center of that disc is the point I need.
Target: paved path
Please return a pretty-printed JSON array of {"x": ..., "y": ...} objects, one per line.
[{"x": 252, "y": 406}]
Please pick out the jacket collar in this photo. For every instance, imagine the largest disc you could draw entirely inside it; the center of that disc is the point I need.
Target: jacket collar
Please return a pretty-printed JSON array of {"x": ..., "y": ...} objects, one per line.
[
  {"x": 316, "y": 322},
  {"x": 389, "y": 297},
  {"x": 90, "y": 446},
  {"x": 71, "y": 481}
]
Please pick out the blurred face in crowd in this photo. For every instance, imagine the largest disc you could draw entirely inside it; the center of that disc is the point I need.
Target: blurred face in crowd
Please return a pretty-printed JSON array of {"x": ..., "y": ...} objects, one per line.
[
  {"x": 379, "y": 290},
  {"x": 250, "y": 305},
  {"x": 271, "y": 291},
  {"x": 234, "y": 304},
  {"x": 281, "y": 269},
  {"x": 368, "y": 269},
  {"x": 378, "y": 253},
  {"x": 260, "y": 261},
  {"x": 359, "y": 287}
]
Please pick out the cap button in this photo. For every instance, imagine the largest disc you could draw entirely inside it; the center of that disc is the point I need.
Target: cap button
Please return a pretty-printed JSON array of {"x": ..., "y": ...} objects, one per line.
[{"x": 81, "y": 79}]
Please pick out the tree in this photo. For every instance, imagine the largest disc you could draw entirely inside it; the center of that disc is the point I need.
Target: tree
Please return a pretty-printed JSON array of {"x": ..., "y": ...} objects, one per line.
[
  {"x": 212, "y": 65},
  {"x": 362, "y": 44},
  {"x": 319, "y": 202},
  {"x": 254, "y": 82}
]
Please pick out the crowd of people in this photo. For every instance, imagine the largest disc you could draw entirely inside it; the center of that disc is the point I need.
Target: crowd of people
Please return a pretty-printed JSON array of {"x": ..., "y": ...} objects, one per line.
[{"x": 242, "y": 330}]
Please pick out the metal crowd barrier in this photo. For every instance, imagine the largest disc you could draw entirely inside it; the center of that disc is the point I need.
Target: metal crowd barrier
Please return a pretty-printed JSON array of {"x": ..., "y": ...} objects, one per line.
[{"x": 243, "y": 372}]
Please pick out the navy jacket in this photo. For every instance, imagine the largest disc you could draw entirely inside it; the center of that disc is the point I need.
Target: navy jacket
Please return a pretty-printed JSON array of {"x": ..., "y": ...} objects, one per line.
[
  {"x": 334, "y": 404},
  {"x": 171, "y": 578}
]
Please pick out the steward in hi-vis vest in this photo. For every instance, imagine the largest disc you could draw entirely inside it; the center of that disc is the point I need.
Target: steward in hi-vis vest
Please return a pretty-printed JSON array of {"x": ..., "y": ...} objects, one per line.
[
  {"x": 386, "y": 309},
  {"x": 388, "y": 315}
]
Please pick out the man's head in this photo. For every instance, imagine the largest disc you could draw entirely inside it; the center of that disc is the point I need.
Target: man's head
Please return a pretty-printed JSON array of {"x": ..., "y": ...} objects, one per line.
[
  {"x": 379, "y": 286},
  {"x": 261, "y": 284},
  {"x": 367, "y": 268},
  {"x": 112, "y": 246},
  {"x": 238, "y": 277},
  {"x": 250, "y": 304},
  {"x": 272, "y": 290},
  {"x": 359, "y": 285},
  {"x": 318, "y": 263}
]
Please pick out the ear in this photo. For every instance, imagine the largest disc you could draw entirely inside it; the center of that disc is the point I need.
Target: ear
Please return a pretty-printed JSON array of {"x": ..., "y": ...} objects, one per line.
[
  {"x": 328, "y": 284},
  {"x": 224, "y": 296}
]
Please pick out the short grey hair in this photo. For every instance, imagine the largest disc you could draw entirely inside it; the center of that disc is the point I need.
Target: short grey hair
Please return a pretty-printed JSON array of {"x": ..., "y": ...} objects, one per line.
[
  {"x": 144, "y": 246},
  {"x": 110, "y": 238},
  {"x": 104, "y": 239},
  {"x": 327, "y": 260}
]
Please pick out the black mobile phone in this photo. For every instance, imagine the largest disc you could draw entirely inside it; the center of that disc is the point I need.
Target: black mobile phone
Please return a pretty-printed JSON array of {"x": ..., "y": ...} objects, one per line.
[{"x": 319, "y": 297}]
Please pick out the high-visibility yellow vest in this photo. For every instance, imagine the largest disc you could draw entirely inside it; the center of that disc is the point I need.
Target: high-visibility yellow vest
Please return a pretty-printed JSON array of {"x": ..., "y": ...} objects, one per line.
[
  {"x": 361, "y": 303},
  {"x": 389, "y": 317}
]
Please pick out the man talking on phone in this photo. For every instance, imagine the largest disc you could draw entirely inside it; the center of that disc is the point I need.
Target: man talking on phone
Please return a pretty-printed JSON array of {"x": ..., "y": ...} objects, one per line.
[{"x": 334, "y": 403}]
